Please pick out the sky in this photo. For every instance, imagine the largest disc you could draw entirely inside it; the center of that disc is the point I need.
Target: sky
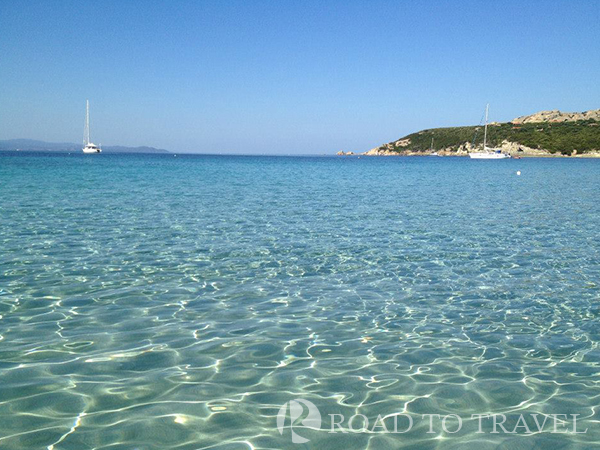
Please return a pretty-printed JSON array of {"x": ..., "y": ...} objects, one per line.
[{"x": 287, "y": 77}]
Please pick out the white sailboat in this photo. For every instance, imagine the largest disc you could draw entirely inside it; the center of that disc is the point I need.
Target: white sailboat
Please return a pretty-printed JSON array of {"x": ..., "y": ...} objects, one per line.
[
  {"x": 88, "y": 147},
  {"x": 431, "y": 152},
  {"x": 488, "y": 153}
]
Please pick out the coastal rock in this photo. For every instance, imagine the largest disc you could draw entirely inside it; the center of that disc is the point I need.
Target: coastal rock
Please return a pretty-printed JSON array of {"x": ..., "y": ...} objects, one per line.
[
  {"x": 342, "y": 153},
  {"x": 381, "y": 151},
  {"x": 558, "y": 116},
  {"x": 514, "y": 148},
  {"x": 592, "y": 154},
  {"x": 402, "y": 143},
  {"x": 464, "y": 149}
]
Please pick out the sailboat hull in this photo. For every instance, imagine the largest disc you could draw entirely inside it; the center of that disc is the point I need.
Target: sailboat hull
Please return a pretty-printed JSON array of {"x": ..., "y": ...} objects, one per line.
[{"x": 91, "y": 148}]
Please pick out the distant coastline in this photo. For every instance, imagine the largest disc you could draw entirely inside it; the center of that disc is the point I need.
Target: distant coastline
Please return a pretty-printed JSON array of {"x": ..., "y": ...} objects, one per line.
[
  {"x": 30, "y": 145},
  {"x": 543, "y": 134}
]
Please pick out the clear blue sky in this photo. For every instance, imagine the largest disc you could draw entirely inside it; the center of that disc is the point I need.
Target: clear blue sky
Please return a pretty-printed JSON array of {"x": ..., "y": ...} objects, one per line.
[{"x": 287, "y": 76}]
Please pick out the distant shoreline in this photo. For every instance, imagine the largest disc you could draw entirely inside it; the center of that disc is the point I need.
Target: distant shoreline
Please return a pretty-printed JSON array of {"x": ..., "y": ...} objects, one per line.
[
  {"x": 31, "y": 145},
  {"x": 465, "y": 155},
  {"x": 70, "y": 152}
]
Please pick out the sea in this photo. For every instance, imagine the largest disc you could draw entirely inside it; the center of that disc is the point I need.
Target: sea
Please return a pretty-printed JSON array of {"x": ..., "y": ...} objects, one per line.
[{"x": 152, "y": 302}]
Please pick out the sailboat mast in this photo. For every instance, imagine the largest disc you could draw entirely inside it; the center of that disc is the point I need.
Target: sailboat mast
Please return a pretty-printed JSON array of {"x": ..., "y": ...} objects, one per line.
[
  {"x": 87, "y": 122},
  {"x": 485, "y": 129}
]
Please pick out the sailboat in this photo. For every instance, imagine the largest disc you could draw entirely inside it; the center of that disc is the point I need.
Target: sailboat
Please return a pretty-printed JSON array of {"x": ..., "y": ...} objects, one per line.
[
  {"x": 431, "y": 152},
  {"x": 88, "y": 147},
  {"x": 488, "y": 153}
]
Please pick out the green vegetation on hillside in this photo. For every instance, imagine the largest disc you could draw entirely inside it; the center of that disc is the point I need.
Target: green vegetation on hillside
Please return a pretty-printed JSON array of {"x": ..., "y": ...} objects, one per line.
[{"x": 563, "y": 137}]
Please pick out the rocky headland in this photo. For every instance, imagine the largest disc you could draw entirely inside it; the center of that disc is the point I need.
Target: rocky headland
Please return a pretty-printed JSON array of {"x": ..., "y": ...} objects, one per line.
[{"x": 546, "y": 133}]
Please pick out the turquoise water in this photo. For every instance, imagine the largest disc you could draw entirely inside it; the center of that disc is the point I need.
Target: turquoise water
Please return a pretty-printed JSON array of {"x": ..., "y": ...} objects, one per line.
[{"x": 157, "y": 302}]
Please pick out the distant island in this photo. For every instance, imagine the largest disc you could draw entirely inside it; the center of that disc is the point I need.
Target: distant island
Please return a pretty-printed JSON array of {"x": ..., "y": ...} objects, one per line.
[
  {"x": 546, "y": 133},
  {"x": 30, "y": 145}
]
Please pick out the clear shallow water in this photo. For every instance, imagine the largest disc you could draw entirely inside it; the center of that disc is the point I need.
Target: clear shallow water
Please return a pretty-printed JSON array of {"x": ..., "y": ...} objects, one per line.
[{"x": 153, "y": 302}]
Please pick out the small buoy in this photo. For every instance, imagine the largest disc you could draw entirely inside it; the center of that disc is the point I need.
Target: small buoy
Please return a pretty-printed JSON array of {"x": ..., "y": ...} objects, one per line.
[{"x": 518, "y": 172}]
